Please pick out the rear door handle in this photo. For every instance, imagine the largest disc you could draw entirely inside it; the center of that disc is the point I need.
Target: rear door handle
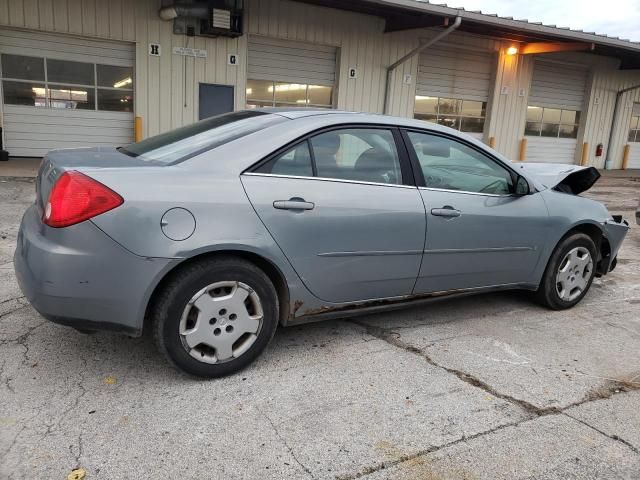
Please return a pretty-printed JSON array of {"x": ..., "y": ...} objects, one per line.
[
  {"x": 293, "y": 204},
  {"x": 446, "y": 211}
]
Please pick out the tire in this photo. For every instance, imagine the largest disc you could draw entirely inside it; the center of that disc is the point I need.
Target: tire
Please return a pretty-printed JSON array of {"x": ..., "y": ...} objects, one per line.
[
  {"x": 562, "y": 290},
  {"x": 215, "y": 300}
]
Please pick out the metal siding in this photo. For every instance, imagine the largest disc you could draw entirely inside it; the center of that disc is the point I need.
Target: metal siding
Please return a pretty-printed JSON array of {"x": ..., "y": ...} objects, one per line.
[
  {"x": 558, "y": 85},
  {"x": 32, "y": 131},
  {"x": 455, "y": 73}
]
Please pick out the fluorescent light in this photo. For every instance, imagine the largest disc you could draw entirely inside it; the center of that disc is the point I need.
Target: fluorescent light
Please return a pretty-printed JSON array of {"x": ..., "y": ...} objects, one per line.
[
  {"x": 249, "y": 91},
  {"x": 123, "y": 82}
]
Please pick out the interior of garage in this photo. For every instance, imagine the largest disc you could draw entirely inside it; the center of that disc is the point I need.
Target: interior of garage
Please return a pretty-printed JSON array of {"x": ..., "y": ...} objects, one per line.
[{"x": 534, "y": 92}]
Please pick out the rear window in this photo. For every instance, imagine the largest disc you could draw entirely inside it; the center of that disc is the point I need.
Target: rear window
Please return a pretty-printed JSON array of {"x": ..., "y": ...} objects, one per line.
[{"x": 183, "y": 143}]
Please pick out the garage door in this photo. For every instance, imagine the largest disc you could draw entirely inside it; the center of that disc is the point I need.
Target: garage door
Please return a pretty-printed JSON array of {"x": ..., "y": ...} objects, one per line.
[
  {"x": 634, "y": 138},
  {"x": 453, "y": 87},
  {"x": 285, "y": 73},
  {"x": 64, "y": 92},
  {"x": 553, "y": 114}
]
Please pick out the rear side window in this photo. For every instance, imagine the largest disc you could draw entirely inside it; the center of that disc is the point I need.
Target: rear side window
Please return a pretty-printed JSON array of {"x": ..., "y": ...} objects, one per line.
[
  {"x": 359, "y": 154},
  {"x": 183, "y": 143},
  {"x": 296, "y": 162}
]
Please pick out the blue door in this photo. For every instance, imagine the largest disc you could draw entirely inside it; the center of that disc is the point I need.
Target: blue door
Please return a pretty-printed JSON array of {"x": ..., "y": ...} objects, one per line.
[{"x": 214, "y": 100}]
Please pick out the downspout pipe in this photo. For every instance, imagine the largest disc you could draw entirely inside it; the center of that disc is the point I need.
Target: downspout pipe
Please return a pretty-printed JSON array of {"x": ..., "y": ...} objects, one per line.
[
  {"x": 413, "y": 53},
  {"x": 608, "y": 160}
]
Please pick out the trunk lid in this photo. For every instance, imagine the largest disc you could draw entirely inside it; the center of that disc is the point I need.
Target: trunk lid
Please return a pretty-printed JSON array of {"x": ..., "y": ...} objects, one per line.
[{"x": 572, "y": 179}]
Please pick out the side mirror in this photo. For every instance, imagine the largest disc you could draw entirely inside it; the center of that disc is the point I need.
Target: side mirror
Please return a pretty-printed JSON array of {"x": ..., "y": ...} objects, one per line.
[{"x": 522, "y": 186}]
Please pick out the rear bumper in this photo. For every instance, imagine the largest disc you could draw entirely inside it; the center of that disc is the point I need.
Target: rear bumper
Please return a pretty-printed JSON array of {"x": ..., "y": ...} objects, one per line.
[{"x": 80, "y": 277}]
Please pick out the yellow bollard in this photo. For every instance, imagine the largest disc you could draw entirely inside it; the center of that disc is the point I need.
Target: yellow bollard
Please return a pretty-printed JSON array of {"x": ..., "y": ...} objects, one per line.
[
  {"x": 523, "y": 150},
  {"x": 625, "y": 156},
  {"x": 137, "y": 129},
  {"x": 492, "y": 142},
  {"x": 585, "y": 154}
]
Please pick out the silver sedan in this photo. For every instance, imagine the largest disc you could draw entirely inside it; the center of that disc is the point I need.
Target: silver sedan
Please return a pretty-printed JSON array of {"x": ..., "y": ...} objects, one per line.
[{"x": 214, "y": 234}]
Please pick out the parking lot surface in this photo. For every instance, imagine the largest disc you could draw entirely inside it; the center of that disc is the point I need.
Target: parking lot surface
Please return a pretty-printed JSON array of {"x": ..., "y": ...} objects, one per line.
[{"x": 490, "y": 386}]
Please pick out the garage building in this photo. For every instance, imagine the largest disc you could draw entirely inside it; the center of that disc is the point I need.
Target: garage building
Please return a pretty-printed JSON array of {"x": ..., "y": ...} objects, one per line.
[{"x": 83, "y": 72}]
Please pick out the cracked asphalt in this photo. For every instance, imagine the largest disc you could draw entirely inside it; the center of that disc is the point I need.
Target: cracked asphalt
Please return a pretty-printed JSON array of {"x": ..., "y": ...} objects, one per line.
[{"x": 486, "y": 387}]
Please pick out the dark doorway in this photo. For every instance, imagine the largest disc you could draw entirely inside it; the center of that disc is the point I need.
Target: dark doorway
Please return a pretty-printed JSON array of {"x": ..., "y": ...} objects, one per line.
[{"x": 214, "y": 100}]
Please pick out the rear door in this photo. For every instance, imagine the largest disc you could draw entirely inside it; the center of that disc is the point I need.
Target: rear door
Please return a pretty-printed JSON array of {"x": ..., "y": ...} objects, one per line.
[
  {"x": 342, "y": 207},
  {"x": 479, "y": 233}
]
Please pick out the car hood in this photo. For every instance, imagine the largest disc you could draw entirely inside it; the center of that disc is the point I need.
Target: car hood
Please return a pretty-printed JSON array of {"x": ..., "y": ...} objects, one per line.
[{"x": 564, "y": 178}]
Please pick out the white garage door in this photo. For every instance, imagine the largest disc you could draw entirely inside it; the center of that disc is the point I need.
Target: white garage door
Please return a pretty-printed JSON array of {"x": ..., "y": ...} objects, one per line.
[
  {"x": 553, "y": 115},
  {"x": 634, "y": 155},
  {"x": 287, "y": 73},
  {"x": 64, "y": 92},
  {"x": 453, "y": 87},
  {"x": 634, "y": 138}
]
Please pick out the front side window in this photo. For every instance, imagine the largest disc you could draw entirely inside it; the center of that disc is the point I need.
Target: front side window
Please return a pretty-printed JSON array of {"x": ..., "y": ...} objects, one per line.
[
  {"x": 358, "y": 154},
  {"x": 463, "y": 115},
  {"x": 450, "y": 165},
  {"x": 186, "y": 142},
  {"x": 552, "y": 122},
  {"x": 634, "y": 129},
  {"x": 52, "y": 83},
  {"x": 265, "y": 93}
]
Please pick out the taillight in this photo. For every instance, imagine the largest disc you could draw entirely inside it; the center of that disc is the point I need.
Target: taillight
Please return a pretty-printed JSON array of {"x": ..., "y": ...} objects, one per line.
[{"x": 75, "y": 198}]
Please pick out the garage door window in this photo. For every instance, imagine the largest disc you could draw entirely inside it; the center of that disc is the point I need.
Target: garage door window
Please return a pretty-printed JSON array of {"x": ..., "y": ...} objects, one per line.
[
  {"x": 552, "y": 122},
  {"x": 634, "y": 130},
  {"x": 52, "y": 83},
  {"x": 265, "y": 93},
  {"x": 463, "y": 115}
]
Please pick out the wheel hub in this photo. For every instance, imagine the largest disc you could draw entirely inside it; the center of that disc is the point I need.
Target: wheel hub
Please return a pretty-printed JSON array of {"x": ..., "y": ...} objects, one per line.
[{"x": 221, "y": 322}]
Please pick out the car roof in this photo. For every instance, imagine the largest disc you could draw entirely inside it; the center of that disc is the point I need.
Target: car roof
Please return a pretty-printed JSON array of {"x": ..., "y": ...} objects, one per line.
[
  {"x": 301, "y": 112},
  {"x": 341, "y": 116}
]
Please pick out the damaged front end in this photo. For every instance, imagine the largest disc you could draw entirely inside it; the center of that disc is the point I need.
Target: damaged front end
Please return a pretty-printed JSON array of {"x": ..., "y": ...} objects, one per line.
[
  {"x": 614, "y": 231},
  {"x": 571, "y": 179}
]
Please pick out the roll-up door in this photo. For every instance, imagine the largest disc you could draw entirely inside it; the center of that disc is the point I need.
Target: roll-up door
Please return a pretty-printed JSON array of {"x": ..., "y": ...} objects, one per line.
[
  {"x": 286, "y": 73},
  {"x": 453, "y": 87},
  {"x": 555, "y": 103},
  {"x": 634, "y": 138},
  {"x": 64, "y": 92}
]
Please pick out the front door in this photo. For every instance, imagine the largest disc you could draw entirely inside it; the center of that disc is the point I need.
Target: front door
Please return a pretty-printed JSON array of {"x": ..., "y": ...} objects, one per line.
[
  {"x": 339, "y": 206},
  {"x": 479, "y": 234},
  {"x": 214, "y": 100}
]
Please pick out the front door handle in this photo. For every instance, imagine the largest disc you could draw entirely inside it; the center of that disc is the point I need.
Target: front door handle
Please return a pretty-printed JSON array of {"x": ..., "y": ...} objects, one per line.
[
  {"x": 446, "y": 211},
  {"x": 293, "y": 204}
]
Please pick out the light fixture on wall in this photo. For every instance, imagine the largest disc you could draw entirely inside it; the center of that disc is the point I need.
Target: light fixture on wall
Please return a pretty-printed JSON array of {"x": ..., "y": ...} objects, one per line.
[
  {"x": 512, "y": 50},
  {"x": 123, "y": 82}
]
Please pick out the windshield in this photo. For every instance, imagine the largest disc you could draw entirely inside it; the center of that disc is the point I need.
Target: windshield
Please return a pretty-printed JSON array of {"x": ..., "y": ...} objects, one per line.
[{"x": 186, "y": 142}]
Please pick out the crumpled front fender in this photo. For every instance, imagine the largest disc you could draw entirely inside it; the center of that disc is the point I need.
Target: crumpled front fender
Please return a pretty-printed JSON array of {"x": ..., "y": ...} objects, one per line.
[{"x": 615, "y": 230}]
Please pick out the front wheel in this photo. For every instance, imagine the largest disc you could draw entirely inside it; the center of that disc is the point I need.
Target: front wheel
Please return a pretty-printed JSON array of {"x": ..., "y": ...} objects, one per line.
[
  {"x": 569, "y": 274},
  {"x": 216, "y": 316}
]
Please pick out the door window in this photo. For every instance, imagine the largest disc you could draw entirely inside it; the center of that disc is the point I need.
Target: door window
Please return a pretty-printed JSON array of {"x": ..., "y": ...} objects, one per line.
[
  {"x": 634, "y": 129},
  {"x": 451, "y": 165},
  {"x": 294, "y": 162},
  {"x": 362, "y": 154}
]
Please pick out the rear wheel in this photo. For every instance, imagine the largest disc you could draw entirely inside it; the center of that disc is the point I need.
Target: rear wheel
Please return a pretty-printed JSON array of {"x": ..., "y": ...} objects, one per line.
[
  {"x": 569, "y": 274},
  {"x": 216, "y": 316}
]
